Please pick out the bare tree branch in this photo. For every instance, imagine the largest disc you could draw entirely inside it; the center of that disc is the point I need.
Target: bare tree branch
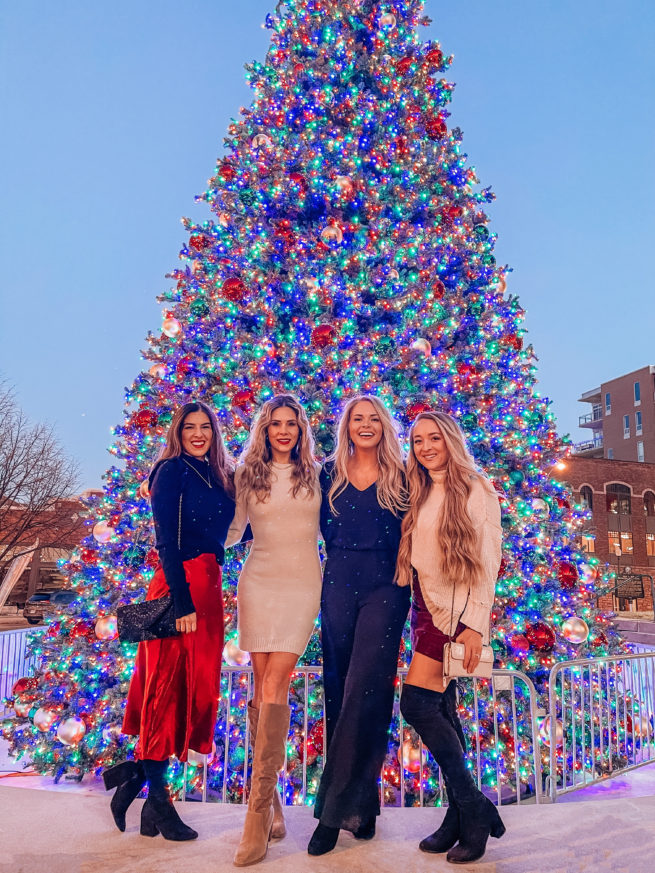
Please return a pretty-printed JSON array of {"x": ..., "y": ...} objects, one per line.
[{"x": 37, "y": 484}]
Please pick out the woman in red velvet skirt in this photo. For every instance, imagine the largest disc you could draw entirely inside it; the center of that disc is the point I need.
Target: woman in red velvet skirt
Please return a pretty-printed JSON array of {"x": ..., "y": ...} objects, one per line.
[{"x": 173, "y": 697}]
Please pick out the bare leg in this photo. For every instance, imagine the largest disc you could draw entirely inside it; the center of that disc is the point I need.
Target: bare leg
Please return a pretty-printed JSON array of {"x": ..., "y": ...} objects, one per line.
[{"x": 426, "y": 673}]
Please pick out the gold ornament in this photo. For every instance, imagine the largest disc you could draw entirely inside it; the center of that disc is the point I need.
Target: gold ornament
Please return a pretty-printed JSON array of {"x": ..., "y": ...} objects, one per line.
[
  {"x": 331, "y": 235},
  {"x": 102, "y": 532},
  {"x": 575, "y": 630},
  {"x": 234, "y": 656},
  {"x": 70, "y": 731},
  {"x": 107, "y": 628},
  {"x": 171, "y": 327}
]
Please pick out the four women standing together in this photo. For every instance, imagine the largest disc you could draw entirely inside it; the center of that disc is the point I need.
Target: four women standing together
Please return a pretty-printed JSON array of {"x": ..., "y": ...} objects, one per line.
[{"x": 432, "y": 529}]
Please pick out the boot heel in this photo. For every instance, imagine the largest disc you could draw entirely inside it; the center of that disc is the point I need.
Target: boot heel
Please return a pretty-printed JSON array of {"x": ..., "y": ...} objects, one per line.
[
  {"x": 497, "y": 829},
  {"x": 119, "y": 773}
]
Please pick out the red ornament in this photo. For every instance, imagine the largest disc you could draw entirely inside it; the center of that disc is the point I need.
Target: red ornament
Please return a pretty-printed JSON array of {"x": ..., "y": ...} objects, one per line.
[
  {"x": 435, "y": 58},
  {"x": 502, "y": 568},
  {"x": 184, "y": 365},
  {"x": 519, "y": 643},
  {"x": 436, "y": 127},
  {"x": 89, "y": 556},
  {"x": 417, "y": 408},
  {"x": 323, "y": 335},
  {"x": 233, "y": 289},
  {"x": 299, "y": 180},
  {"x": 403, "y": 66},
  {"x": 567, "y": 574},
  {"x": 227, "y": 171},
  {"x": 243, "y": 398},
  {"x": 438, "y": 289},
  {"x": 400, "y": 144},
  {"x": 152, "y": 558},
  {"x": 24, "y": 684},
  {"x": 540, "y": 636},
  {"x": 197, "y": 242},
  {"x": 315, "y": 742},
  {"x": 82, "y": 629},
  {"x": 144, "y": 418},
  {"x": 598, "y": 640}
]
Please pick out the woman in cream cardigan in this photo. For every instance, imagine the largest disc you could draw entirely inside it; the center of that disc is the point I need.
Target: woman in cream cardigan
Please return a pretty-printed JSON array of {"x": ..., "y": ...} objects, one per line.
[
  {"x": 278, "y": 596},
  {"x": 450, "y": 554}
]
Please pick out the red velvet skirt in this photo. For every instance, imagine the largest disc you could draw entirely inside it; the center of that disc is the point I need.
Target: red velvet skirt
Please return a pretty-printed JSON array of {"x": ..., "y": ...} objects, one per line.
[{"x": 173, "y": 697}]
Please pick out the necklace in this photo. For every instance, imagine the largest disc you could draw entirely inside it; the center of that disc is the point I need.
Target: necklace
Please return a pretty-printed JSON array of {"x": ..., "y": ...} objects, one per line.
[{"x": 198, "y": 473}]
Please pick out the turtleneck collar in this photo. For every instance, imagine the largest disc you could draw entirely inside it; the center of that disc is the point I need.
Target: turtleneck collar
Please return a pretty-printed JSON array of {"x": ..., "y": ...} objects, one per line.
[
  {"x": 437, "y": 476},
  {"x": 202, "y": 463}
]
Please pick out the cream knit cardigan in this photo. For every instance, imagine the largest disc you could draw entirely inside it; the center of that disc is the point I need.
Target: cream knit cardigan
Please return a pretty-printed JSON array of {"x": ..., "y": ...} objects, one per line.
[{"x": 474, "y": 600}]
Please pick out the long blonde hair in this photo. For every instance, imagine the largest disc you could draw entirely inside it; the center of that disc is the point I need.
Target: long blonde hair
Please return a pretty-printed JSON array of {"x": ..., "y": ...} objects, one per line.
[
  {"x": 460, "y": 558},
  {"x": 391, "y": 485},
  {"x": 219, "y": 460},
  {"x": 257, "y": 456}
]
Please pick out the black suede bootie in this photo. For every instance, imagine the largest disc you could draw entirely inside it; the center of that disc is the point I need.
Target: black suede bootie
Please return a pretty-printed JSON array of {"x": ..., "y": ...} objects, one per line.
[
  {"x": 128, "y": 778},
  {"x": 432, "y": 715},
  {"x": 447, "y": 834},
  {"x": 366, "y": 830},
  {"x": 323, "y": 840},
  {"x": 158, "y": 815}
]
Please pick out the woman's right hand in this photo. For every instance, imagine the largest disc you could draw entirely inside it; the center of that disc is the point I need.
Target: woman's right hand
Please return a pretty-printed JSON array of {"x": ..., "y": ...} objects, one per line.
[{"x": 187, "y": 624}]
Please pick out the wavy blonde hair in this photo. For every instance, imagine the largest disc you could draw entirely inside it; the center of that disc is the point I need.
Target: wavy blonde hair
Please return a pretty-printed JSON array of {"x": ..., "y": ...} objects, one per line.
[
  {"x": 256, "y": 457},
  {"x": 460, "y": 558},
  {"x": 219, "y": 460},
  {"x": 391, "y": 484}
]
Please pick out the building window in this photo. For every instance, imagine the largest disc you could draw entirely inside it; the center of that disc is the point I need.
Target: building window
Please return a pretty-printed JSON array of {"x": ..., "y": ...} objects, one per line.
[
  {"x": 649, "y": 503},
  {"x": 587, "y": 497},
  {"x": 608, "y": 403},
  {"x": 640, "y": 451},
  {"x": 638, "y": 428},
  {"x": 588, "y": 543},
  {"x": 626, "y": 427},
  {"x": 610, "y": 454},
  {"x": 650, "y": 545},
  {"x": 621, "y": 540},
  {"x": 617, "y": 499},
  {"x": 637, "y": 393}
]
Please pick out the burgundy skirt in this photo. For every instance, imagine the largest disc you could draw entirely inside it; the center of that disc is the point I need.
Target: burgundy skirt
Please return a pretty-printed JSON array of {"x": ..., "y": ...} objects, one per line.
[
  {"x": 173, "y": 697},
  {"x": 426, "y": 638}
]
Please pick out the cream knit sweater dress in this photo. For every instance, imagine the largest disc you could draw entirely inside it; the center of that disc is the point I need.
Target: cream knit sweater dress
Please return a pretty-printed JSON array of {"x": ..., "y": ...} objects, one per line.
[
  {"x": 474, "y": 597},
  {"x": 279, "y": 591}
]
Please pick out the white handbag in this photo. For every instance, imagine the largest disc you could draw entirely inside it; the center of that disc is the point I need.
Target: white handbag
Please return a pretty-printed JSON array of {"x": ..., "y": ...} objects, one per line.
[{"x": 454, "y": 653}]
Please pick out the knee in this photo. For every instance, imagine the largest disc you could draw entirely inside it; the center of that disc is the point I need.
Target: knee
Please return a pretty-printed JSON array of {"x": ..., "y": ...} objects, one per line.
[{"x": 412, "y": 704}]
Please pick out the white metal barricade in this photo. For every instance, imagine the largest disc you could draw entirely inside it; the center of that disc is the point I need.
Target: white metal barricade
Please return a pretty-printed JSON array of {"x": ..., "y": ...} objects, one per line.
[{"x": 601, "y": 719}]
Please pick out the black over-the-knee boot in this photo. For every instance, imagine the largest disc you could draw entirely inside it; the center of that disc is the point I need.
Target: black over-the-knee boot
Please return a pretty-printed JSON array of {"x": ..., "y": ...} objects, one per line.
[{"x": 427, "y": 712}]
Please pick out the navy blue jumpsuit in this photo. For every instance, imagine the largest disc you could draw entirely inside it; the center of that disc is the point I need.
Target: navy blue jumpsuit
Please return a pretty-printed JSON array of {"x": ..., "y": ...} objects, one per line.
[{"x": 362, "y": 618}]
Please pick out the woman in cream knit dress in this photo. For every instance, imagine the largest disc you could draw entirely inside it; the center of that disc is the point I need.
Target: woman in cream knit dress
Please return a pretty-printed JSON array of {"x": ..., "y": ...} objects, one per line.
[
  {"x": 449, "y": 552},
  {"x": 278, "y": 595}
]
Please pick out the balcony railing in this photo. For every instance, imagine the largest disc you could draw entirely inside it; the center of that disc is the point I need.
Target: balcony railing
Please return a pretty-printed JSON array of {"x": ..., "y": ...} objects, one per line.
[
  {"x": 588, "y": 445},
  {"x": 590, "y": 417}
]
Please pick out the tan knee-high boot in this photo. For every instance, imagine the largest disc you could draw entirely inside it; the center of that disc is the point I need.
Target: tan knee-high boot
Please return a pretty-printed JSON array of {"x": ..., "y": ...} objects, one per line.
[
  {"x": 272, "y": 732},
  {"x": 279, "y": 830}
]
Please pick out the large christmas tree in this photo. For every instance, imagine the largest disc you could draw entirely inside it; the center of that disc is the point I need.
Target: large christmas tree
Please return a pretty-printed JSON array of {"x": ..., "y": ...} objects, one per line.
[{"x": 349, "y": 252}]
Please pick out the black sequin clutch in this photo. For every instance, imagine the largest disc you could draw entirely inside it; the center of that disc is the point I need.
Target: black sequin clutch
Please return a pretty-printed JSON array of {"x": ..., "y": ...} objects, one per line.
[{"x": 150, "y": 620}]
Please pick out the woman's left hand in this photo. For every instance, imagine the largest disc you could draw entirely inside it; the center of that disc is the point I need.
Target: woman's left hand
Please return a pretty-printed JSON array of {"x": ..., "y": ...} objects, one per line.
[{"x": 472, "y": 648}]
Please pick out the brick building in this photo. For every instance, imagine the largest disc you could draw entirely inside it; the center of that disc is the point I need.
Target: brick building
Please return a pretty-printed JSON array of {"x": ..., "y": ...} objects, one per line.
[
  {"x": 621, "y": 423},
  {"x": 621, "y": 497}
]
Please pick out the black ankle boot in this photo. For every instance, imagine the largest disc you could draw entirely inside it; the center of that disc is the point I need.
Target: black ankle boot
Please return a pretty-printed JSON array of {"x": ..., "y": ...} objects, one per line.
[
  {"x": 431, "y": 714},
  {"x": 323, "y": 840},
  {"x": 159, "y": 816},
  {"x": 447, "y": 834},
  {"x": 479, "y": 820},
  {"x": 128, "y": 779},
  {"x": 366, "y": 830}
]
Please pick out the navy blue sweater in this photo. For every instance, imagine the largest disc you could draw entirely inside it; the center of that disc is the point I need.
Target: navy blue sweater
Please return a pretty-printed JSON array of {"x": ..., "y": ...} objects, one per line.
[
  {"x": 205, "y": 518},
  {"x": 362, "y": 524}
]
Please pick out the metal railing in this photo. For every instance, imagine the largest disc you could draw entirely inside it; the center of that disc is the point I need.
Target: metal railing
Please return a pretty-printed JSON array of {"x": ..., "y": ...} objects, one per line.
[
  {"x": 15, "y": 662},
  {"x": 507, "y": 705},
  {"x": 601, "y": 719}
]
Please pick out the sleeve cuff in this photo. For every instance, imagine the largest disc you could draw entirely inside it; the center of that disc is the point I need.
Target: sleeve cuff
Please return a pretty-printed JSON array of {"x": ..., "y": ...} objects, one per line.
[{"x": 476, "y": 616}]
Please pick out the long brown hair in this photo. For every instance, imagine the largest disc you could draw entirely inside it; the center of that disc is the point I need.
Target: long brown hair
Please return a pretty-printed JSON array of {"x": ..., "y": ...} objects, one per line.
[
  {"x": 219, "y": 460},
  {"x": 460, "y": 558},
  {"x": 256, "y": 457},
  {"x": 391, "y": 486}
]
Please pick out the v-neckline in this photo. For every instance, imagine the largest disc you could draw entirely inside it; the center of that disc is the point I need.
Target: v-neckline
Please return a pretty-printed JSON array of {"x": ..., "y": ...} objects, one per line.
[{"x": 362, "y": 490}]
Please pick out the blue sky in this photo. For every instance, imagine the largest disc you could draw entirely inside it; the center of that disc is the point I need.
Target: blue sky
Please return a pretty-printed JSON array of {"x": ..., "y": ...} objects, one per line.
[{"x": 113, "y": 116}]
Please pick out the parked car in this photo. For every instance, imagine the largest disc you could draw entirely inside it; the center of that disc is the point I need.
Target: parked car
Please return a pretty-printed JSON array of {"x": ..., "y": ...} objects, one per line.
[{"x": 46, "y": 603}]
